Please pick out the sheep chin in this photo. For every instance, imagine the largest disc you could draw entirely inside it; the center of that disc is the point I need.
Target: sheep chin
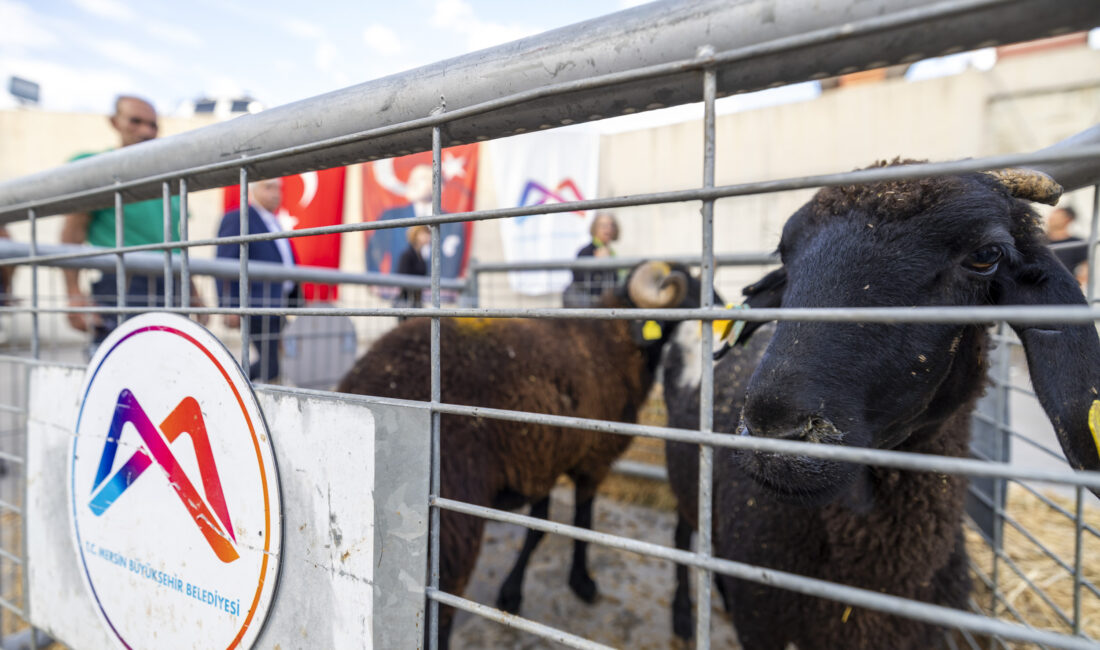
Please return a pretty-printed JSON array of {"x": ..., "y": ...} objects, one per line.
[{"x": 801, "y": 480}]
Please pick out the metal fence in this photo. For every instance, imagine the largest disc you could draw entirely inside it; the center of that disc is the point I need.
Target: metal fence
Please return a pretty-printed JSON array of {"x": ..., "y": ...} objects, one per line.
[{"x": 657, "y": 55}]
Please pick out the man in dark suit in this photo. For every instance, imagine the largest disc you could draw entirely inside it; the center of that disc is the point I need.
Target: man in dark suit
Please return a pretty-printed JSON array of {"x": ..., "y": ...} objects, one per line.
[{"x": 264, "y": 199}]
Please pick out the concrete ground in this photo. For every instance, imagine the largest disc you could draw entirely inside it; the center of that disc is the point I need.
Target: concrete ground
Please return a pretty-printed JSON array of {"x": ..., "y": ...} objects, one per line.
[{"x": 633, "y": 609}]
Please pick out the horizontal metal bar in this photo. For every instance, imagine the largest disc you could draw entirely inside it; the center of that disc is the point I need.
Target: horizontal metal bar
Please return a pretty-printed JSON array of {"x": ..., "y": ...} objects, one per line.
[
  {"x": 1057, "y": 508},
  {"x": 12, "y": 458},
  {"x": 511, "y": 620},
  {"x": 151, "y": 263},
  {"x": 586, "y": 263},
  {"x": 4, "y": 604},
  {"x": 14, "y": 559},
  {"x": 877, "y": 457},
  {"x": 8, "y": 408},
  {"x": 1053, "y": 453},
  {"x": 10, "y": 507},
  {"x": 896, "y": 605},
  {"x": 633, "y": 46},
  {"x": 988, "y": 582},
  {"x": 640, "y": 470}
]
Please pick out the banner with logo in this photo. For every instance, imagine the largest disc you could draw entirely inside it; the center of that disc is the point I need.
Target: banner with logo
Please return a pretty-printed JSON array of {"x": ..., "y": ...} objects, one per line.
[
  {"x": 310, "y": 200},
  {"x": 400, "y": 188},
  {"x": 536, "y": 169}
]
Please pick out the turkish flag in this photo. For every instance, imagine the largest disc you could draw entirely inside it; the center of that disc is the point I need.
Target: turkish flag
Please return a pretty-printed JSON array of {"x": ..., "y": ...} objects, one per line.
[
  {"x": 390, "y": 189},
  {"x": 310, "y": 200}
]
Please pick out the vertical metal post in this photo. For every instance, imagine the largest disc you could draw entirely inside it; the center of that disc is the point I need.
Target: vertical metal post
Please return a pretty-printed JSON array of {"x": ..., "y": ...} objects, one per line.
[
  {"x": 243, "y": 291},
  {"x": 32, "y": 218},
  {"x": 1078, "y": 554},
  {"x": 185, "y": 254},
  {"x": 1001, "y": 404},
  {"x": 1094, "y": 239},
  {"x": 436, "y": 386},
  {"x": 706, "y": 386},
  {"x": 120, "y": 263},
  {"x": 166, "y": 196}
]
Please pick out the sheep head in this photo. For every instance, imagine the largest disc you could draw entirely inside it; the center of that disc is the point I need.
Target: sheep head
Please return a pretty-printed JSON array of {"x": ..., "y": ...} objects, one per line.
[{"x": 954, "y": 241}]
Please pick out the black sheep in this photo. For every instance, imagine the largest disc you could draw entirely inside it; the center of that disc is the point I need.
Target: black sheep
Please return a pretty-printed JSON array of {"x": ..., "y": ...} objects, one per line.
[
  {"x": 600, "y": 369},
  {"x": 960, "y": 240}
]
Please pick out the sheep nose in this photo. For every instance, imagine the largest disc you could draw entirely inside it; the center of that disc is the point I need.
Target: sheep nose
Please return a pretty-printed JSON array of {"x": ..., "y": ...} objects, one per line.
[{"x": 813, "y": 428}]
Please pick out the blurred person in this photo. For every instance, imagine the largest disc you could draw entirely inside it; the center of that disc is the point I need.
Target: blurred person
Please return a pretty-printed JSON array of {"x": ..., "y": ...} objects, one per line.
[
  {"x": 414, "y": 261},
  {"x": 264, "y": 199},
  {"x": 1075, "y": 258},
  {"x": 589, "y": 284},
  {"x": 135, "y": 121}
]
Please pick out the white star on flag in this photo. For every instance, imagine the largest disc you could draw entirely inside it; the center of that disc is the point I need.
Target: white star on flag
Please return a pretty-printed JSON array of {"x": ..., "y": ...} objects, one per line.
[{"x": 453, "y": 166}]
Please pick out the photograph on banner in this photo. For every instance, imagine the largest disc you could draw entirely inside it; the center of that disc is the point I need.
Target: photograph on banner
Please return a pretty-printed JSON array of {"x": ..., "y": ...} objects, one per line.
[
  {"x": 401, "y": 188},
  {"x": 310, "y": 200},
  {"x": 536, "y": 169}
]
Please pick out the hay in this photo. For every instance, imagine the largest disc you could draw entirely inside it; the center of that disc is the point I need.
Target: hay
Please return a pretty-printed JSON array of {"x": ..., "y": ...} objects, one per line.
[{"x": 1057, "y": 533}]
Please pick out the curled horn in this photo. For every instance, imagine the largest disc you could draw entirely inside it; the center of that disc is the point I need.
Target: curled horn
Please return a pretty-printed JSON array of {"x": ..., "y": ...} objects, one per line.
[
  {"x": 1028, "y": 184},
  {"x": 654, "y": 285}
]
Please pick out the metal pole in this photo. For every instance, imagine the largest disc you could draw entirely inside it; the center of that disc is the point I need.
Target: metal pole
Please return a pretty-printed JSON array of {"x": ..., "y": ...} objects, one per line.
[
  {"x": 706, "y": 387},
  {"x": 243, "y": 288},
  {"x": 120, "y": 263},
  {"x": 166, "y": 191},
  {"x": 436, "y": 385},
  {"x": 185, "y": 252},
  {"x": 32, "y": 218}
]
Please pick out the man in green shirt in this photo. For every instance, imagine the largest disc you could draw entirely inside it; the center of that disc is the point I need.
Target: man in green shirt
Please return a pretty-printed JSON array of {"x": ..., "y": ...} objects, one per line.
[{"x": 135, "y": 120}]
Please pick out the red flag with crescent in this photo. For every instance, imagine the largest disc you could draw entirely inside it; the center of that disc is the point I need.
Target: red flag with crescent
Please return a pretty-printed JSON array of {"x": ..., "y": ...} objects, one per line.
[{"x": 310, "y": 200}]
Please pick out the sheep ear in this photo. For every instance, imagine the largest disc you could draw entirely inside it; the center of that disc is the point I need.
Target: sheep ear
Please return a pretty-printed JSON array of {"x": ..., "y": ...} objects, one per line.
[
  {"x": 1063, "y": 359},
  {"x": 765, "y": 293}
]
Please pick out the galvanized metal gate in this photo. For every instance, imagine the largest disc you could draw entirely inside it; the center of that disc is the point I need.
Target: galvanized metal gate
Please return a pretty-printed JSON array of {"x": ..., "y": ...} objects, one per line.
[{"x": 653, "y": 56}]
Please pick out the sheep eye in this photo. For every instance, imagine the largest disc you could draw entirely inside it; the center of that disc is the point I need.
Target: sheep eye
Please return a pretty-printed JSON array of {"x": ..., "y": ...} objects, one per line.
[{"x": 984, "y": 260}]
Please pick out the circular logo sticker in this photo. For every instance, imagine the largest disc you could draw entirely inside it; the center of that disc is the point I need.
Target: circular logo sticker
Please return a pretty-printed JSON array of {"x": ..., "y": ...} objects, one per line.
[{"x": 174, "y": 493}]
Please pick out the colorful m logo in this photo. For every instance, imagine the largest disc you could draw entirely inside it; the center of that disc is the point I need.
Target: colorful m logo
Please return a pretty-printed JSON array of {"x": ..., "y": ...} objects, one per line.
[{"x": 208, "y": 513}]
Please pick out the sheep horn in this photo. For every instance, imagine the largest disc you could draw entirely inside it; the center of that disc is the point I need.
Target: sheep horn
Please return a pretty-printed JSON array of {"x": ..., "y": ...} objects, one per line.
[
  {"x": 654, "y": 285},
  {"x": 1028, "y": 184}
]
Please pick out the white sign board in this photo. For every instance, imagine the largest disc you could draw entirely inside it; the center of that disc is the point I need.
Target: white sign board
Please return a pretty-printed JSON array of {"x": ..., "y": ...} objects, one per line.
[{"x": 174, "y": 494}]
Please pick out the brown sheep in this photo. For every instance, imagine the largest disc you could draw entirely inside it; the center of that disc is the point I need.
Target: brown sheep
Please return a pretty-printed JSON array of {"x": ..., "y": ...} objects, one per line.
[{"x": 599, "y": 369}]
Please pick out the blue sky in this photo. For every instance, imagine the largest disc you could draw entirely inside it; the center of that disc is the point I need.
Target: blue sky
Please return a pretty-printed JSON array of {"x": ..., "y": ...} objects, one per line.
[{"x": 85, "y": 52}]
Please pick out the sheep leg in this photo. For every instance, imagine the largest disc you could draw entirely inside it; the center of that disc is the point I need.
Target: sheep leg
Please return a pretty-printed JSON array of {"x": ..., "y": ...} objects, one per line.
[
  {"x": 682, "y": 623},
  {"x": 580, "y": 581},
  {"x": 511, "y": 592}
]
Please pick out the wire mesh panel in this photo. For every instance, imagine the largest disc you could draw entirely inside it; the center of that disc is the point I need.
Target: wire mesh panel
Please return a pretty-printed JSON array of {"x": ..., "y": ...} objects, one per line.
[{"x": 457, "y": 354}]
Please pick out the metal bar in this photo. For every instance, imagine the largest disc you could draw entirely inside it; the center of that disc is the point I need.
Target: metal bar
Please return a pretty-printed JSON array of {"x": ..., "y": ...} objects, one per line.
[
  {"x": 185, "y": 252},
  {"x": 1078, "y": 551},
  {"x": 895, "y": 605},
  {"x": 794, "y": 45},
  {"x": 637, "y": 469},
  {"x": 989, "y": 585},
  {"x": 11, "y": 458},
  {"x": 243, "y": 288},
  {"x": 14, "y": 559},
  {"x": 167, "y": 199},
  {"x": 1084, "y": 154},
  {"x": 706, "y": 347},
  {"x": 1001, "y": 408},
  {"x": 32, "y": 219},
  {"x": 12, "y": 608},
  {"x": 1053, "y": 453},
  {"x": 1018, "y": 315},
  {"x": 1094, "y": 239},
  {"x": 120, "y": 263},
  {"x": 1057, "y": 508},
  {"x": 10, "y": 507},
  {"x": 511, "y": 620},
  {"x": 436, "y": 384}
]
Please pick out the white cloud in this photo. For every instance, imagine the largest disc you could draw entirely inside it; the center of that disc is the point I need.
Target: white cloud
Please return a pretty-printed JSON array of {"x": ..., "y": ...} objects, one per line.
[
  {"x": 22, "y": 27},
  {"x": 136, "y": 58},
  {"x": 174, "y": 34},
  {"x": 458, "y": 17},
  {"x": 112, "y": 9},
  {"x": 302, "y": 28},
  {"x": 382, "y": 39}
]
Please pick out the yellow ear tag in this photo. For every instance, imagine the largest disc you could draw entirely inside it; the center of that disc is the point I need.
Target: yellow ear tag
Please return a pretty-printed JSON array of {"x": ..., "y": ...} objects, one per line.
[
  {"x": 651, "y": 330},
  {"x": 729, "y": 330},
  {"x": 1094, "y": 424}
]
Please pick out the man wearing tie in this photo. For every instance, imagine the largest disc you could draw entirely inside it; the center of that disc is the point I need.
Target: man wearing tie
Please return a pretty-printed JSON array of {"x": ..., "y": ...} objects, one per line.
[{"x": 264, "y": 200}]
